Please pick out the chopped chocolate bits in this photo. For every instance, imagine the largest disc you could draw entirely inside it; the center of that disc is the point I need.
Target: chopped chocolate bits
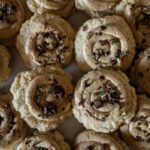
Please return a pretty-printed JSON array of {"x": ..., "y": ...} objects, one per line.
[
  {"x": 1, "y": 120},
  {"x": 113, "y": 62},
  {"x": 106, "y": 94},
  {"x": 5, "y": 10},
  {"x": 38, "y": 94},
  {"x": 48, "y": 109},
  {"x": 85, "y": 28},
  {"x": 103, "y": 27},
  {"x": 102, "y": 77},
  {"x": 112, "y": 94},
  {"x": 90, "y": 147},
  {"x": 40, "y": 50},
  {"x": 118, "y": 53},
  {"x": 57, "y": 91},
  {"x": 115, "y": 41}
]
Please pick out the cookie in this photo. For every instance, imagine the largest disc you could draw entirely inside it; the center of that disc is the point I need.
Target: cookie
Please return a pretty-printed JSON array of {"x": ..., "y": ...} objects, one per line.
[
  {"x": 103, "y": 100},
  {"x": 97, "y": 8},
  {"x": 43, "y": 97},
  {"x": 46, "y": 40},
  {"x": 59, "y": 7},
  {"x": 44, "y": 141},
  {"x": 12, "y": 128},
  {"x": 90, "y": 140},
  {"x": 137, "y": 14},
  {"x": 13, "y": 14},
  {"x": 140, "y": 72},
  {"x": 4, "y": 64},
  {"x": 104, "y": 43},
  {"x": 137, "y": 132}
]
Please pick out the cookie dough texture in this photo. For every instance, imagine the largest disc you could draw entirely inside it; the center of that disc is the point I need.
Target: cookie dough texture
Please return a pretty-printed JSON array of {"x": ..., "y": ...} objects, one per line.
[
  {"x": 103, "y": 43},
  {"x": 59, "y": 7},
  {"x": 13, "y": 13},
  {"x": 88, "y": 140},
  {"x": 137, "y": 132},
  {"x": 12, "y": 128},
  {"x": 104, "y": 100},
  {"x": 43, "y": 97},
  {"x": 140, "y": 72},
  {"x": 44, "y": 141},
  {"x": 137, "y": 13},
  {"x": 98, "y": 8},
  {"x": 46, "y": 40},
  {"x": 4, "y": 64}
]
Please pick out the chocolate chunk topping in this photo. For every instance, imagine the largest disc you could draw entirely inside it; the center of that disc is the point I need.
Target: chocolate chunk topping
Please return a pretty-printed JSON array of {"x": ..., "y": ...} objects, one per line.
[
  {"x": 27, "y": 141},
  {"x": 7, "y": 9},
  {"x": 85, "y": 28},
  {"x": 86, "y": 83},
  {"x": 118, "y": 53},
  {"x": 112, "y": 94},
  {"x": 102, "y": 77},
  {"x": 103, "y": 27},
  {"x": 48, "y": 109},
  {"x": 106, "y": 94},
  {"x": 40, "y": 49},
  {"x": 1, "y": 120},
  {"x": 90, "y": 147},
  {"x": 58, "y": 91},
  {"x": 113, "y": 62},
  {"x": 115, "y": 41},
  {"x": 38, "y": 94},
  {"x": 10, "y": 117}
]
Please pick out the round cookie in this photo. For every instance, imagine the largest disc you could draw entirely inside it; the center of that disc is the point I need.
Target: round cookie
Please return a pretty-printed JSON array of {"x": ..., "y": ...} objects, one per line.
[
  {"x": 4, "y": 63},
  {"x": 46, "y": 40},
  {"x": 98, "y": 8},
  {"x": 13, "y": 14},
  {"x": 104, "y": 100},
  {"x": 43, "y": 97},
  {"x": 137, "y": 132},
  {"x": 12, "y": 128},
  {"x": 90, "y": 140},
  {"x": 103, "y": 43},
  {"x": 140, "y": 72},
  {"x": 45, "y": 141},
  {"x": 59, "y": 7},
  {"x": 137, "y": 13}
]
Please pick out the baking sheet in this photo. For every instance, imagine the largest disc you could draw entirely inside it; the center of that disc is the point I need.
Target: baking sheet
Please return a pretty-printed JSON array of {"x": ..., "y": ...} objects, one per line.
[{"x": 70, "y": 127}]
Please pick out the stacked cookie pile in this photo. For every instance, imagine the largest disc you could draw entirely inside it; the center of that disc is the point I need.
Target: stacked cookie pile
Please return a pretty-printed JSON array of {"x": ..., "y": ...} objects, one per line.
[{"x": 111, "y": 100}]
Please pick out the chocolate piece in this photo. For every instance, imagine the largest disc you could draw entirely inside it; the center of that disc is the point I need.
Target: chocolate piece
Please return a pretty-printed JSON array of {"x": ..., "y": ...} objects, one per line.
[
  {"x": 48, "y": 109},
  {"x": 112, "y": 94},
  {"x": 85, "y": 28},
  {"x": 1, "y": 120},
  {"x": 40, "y": 49},
  {"x": 113, "y": 62},
  {"x": 90, "y": 147},
  {"x": 102, "y": 77},
  {"x": 38, "y": 94},
  {"x": 58, "y": 91},
  {"x": 103, "y": 27}
]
